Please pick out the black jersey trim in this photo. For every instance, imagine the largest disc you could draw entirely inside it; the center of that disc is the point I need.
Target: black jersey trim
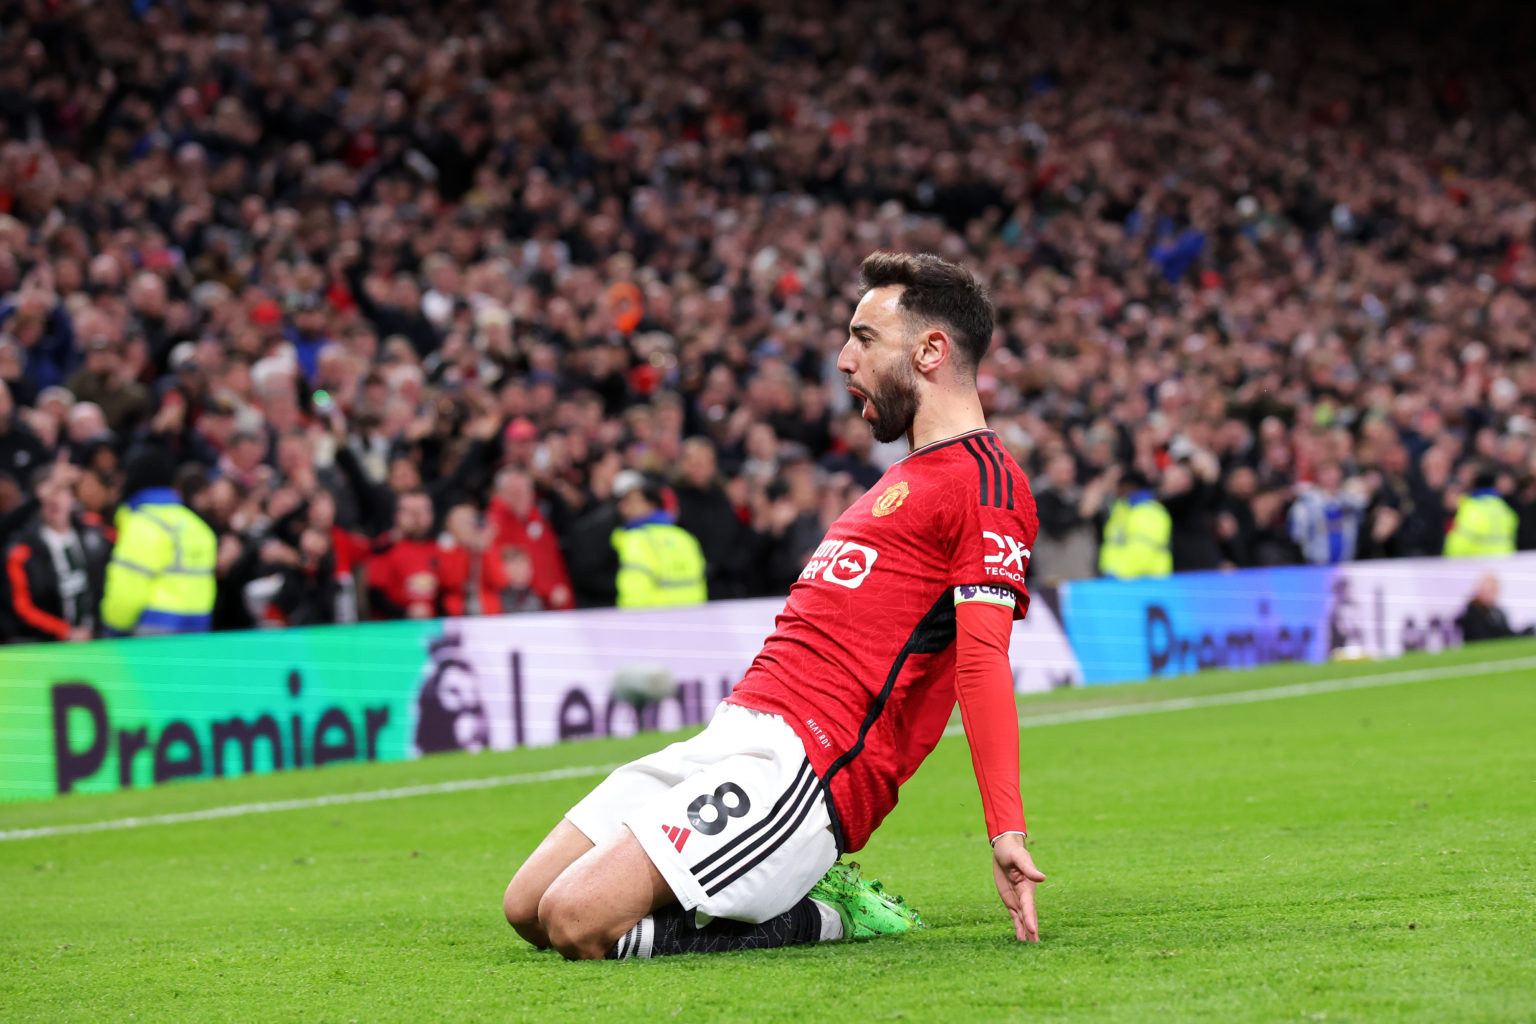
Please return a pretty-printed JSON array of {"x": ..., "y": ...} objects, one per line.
[
  {"x": 838, "y": 835},
  {"x": 994, "y": 448},
  {"x": 981, "y": 471},
  {"x": 933, "y": 633},
  {"x": 998, "y": 496}
]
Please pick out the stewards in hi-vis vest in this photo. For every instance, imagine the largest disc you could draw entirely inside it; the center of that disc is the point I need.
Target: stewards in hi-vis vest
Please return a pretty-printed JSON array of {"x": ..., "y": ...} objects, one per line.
[
  {"x": 1137, "y": 535},
  {"x": 1485, "y": 524},
  {"x": 160, "y": 579},
  {"x": 660, "y": 563}
]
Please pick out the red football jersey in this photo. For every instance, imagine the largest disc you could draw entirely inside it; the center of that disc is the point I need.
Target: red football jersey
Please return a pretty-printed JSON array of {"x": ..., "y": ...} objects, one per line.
[{"x": 861, "y": 661}]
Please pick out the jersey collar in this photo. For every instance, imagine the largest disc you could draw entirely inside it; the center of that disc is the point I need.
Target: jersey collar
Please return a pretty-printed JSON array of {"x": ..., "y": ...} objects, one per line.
[{"x": 932, "y": 446}]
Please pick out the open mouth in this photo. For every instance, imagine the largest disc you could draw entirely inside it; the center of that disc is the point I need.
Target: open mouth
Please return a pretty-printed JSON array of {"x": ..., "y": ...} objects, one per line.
[{"x": 868, "y": 405}]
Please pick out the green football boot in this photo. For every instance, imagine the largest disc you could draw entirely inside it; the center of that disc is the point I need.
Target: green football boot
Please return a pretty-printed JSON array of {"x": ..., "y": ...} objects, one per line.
[{"x": 865, "y": 907}]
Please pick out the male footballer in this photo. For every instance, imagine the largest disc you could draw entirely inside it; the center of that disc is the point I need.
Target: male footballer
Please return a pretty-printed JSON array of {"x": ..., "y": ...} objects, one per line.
[{"x": 731, "y": 839}]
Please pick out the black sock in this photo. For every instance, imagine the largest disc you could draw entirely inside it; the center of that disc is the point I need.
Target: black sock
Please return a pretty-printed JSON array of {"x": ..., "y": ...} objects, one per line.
[{"x": 671, "y": 930}]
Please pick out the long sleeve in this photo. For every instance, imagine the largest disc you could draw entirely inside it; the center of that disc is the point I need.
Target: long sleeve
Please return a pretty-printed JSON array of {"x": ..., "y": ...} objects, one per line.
[
  {"x": 984, "y": 686},
  {"x": 21, "y": 595}
]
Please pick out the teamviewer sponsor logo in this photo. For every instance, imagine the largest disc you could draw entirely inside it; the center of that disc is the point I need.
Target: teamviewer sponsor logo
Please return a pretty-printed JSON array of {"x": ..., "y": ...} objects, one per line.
[{"x": 842, "y": 562}]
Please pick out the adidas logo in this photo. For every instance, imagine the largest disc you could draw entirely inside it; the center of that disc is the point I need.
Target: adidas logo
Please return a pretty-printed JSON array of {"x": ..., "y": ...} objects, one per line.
[{"x": 679, "y": 836}]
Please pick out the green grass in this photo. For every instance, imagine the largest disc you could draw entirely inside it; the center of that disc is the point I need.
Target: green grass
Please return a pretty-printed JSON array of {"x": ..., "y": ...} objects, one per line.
[{"x": 1352, "y": 856}]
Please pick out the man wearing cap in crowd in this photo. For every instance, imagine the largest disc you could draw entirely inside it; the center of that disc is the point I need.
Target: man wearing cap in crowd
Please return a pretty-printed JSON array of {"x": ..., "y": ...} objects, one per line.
[
  {"x": 520, "y": 441},
  {"x": 660, "y": 563},
  {"x": 160, "y": 579}
]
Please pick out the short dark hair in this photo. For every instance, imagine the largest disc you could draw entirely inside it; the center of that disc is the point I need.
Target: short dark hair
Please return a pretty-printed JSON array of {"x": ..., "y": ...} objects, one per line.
[{"x": 936, "y": 289}]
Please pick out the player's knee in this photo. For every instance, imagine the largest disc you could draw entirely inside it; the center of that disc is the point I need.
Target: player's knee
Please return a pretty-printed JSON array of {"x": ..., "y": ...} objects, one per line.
[
  {"x": 521, "y": 905},
  {"x": 564, "y": 918}
]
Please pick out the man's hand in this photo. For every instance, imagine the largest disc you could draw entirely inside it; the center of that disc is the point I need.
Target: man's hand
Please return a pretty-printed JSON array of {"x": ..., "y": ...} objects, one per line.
[{"x": 1016, "y": 876}]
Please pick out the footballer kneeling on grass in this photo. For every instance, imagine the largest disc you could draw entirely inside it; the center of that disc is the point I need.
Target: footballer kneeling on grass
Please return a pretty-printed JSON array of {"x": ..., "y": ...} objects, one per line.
[{"x": 731, "y": 839}]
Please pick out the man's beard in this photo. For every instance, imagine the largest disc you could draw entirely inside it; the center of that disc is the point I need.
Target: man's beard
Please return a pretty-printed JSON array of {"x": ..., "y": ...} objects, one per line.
[{"x": 893, "y": 402}]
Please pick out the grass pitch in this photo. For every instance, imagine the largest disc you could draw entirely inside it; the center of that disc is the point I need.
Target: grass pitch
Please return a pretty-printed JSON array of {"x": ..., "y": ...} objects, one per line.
[{"x": 1362, "y": 855}]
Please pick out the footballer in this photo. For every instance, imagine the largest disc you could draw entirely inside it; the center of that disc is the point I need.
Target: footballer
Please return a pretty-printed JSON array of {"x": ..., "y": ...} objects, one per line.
[{"x": 732, "y": 839}]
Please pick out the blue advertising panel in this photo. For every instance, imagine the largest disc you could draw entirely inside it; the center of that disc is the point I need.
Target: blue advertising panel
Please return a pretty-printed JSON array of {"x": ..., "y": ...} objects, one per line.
[{"x": 1137, "y": 629}]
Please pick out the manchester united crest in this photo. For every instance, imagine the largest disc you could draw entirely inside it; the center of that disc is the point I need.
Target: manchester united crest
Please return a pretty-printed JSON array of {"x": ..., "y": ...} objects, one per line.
[{"x": 891, "y": 500}]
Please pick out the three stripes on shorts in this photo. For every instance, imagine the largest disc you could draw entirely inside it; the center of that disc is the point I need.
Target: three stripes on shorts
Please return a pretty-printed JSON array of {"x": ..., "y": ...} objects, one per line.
[{"x": 756, "y": 844}]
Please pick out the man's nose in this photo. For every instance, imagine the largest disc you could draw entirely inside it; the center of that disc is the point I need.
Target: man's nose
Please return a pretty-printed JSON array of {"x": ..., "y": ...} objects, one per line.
[{"x": 845, "y": 360}]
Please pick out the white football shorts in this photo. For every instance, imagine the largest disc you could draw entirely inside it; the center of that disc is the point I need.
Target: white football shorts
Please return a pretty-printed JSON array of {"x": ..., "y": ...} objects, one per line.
[{"x": 733, "y": 818}]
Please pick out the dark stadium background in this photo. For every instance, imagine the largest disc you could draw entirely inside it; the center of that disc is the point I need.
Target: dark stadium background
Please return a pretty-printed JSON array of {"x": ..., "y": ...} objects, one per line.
[{"x": 1231, "y": 245}]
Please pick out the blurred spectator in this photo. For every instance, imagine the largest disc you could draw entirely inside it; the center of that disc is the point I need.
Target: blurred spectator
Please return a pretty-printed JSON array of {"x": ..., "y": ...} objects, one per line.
[
  {"x": 13, "y": 372},
  {"x": 706, "y": 512},
  {"x": 441, "y": 259},
  {"x": 1392, "y": 527},
  {"x": 348, "y": 551},
  {"x": 1525, "y": 505},
  {"x": 1483, "y": 619},
  {"x": 294, "y": 586},
  {"x": 1325, "y": 519},
  {"x": 406, "y": 580},
  {"x": 104, "y": 380},
  {"x": 20, "y": 450},
  {"x": 790, "y": 524},
  {"x": 56, "y": 567},
  {"x": 41, "y": 325},
  {"x": 515, "y": 519},
  {"x": 659, "y": 562},
  {"x": 1068, "y": 545},
  {"x": 161, "y": 576},
  {"x": 471, "y": 567},
  {"x": 97, "y": 491},
  {"x": 1237, "y": 528},
  {"x": 851, "y": 456},
  {"x": 517, "y": 593},
  {"x": 1138, "y": 532},
  {"x": 1485, "y": 525},
  {"x": 1190, "y": 493},
  {"x": 588, "y": 548},
  {"x": 471, "y": 462}
]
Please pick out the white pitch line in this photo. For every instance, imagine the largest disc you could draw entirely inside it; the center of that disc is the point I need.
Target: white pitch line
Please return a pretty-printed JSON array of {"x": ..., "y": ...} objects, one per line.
[
  {"x": 1211, "y": 700},
  {"x": 304, "y": 803},
  {"x": 1340, "y": 684}
]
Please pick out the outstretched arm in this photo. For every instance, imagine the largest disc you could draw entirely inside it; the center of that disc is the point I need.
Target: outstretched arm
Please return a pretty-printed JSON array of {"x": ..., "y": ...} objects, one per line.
[{"x": 984, "y": 686}]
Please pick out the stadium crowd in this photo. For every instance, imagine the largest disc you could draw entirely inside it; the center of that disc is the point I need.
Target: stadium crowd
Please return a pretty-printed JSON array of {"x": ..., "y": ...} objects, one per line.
[{"x": 394, "y": 293}]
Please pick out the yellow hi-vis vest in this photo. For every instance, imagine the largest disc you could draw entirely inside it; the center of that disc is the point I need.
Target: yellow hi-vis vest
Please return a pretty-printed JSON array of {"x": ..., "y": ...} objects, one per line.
[
  {"x": 160, "y": 579},
  {"x": 1136, "y": 540},
  {"x": 1484, "y": 525},
  {"x": 659, "y": 564}
]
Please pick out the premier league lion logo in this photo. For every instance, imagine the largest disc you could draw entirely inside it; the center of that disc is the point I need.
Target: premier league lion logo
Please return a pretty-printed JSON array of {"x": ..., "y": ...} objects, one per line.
[{"x": 450, "y": 708}]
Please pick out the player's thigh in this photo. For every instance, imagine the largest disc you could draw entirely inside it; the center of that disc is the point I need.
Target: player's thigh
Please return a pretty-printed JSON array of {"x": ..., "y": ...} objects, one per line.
[
  {"x": 745, "y": 838},
  {"x": 596, "y": 818},
  {"x": 601, "y": 896},
  {"x": 564, "y": 845}
]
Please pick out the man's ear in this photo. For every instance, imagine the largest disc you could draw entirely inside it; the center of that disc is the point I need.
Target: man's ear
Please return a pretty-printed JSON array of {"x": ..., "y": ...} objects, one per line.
[{"x": 930, "y": 351}]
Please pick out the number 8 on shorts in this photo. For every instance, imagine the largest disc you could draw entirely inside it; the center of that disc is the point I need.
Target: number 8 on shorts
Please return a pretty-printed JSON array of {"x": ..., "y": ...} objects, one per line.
[{"x": 716, "y": 822}]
